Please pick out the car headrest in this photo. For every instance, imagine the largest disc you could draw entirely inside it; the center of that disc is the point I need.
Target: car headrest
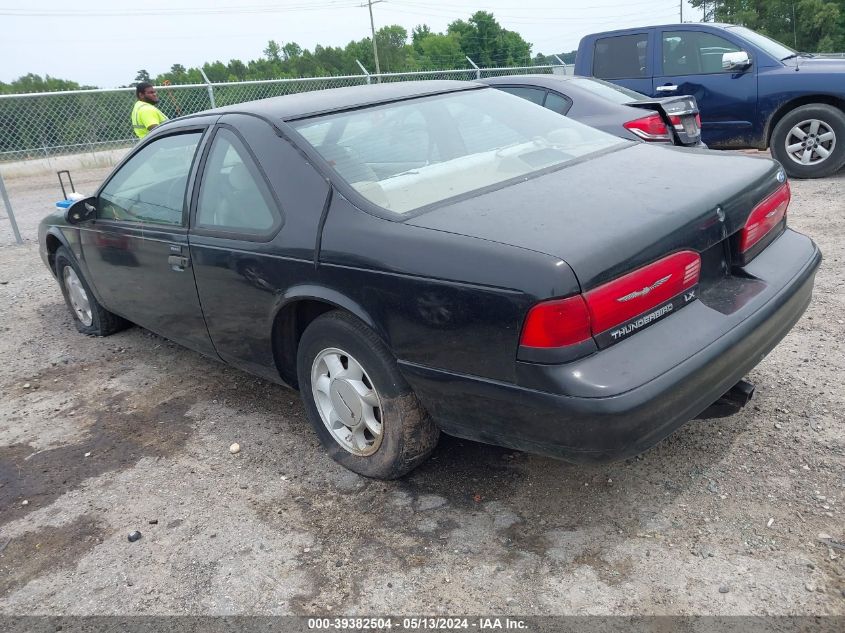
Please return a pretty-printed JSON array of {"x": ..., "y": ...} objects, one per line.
[{"x": 240, "y": 178}]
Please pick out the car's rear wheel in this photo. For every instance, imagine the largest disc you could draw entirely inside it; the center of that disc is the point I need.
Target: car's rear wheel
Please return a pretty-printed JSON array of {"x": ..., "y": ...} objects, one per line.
[
  {"x": 88, "y": 315},
  {"x": 360, "y": 406},
  {"x": 810, "y": 141}
]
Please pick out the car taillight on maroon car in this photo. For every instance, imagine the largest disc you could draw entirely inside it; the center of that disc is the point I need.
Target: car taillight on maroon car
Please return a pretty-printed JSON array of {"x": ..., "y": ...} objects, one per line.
[
  {"x": 649, "y": 128},
  {"x": 613, "y": 311}
]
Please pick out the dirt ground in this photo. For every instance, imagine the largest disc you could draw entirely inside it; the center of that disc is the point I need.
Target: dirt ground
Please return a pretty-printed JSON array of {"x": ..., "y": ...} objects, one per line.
[{"x": 100, "y": 437}]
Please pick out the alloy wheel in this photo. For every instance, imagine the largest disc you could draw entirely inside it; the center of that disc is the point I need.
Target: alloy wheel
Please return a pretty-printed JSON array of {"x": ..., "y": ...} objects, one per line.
[
  {"x": 810, "y": 142},
  {"x": 347, "y": 401}
]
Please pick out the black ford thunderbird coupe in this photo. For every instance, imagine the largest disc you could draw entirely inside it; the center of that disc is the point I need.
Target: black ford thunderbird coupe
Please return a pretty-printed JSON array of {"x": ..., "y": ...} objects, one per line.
[{"x": 442, "y": 256}]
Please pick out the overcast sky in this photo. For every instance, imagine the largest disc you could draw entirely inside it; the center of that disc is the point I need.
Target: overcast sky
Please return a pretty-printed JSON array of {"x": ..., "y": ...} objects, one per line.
[{"x": 105, "y": 42}]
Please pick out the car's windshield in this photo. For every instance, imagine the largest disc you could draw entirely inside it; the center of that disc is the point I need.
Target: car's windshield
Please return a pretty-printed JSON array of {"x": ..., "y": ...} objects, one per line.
[
  {"x": 406, "y": 155},
  {"x": 607, "y": 90},
  {"x": 772, "y": 47}
]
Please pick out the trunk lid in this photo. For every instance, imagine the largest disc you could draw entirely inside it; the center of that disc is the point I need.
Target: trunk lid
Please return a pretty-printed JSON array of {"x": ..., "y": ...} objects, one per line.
[{"x": 614, "y": 212}]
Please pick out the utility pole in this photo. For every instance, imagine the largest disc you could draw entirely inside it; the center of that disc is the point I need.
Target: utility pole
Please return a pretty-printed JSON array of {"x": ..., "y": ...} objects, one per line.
[
  {"x": 369, "y": 5},
  {"x": 681, "y": 7}
]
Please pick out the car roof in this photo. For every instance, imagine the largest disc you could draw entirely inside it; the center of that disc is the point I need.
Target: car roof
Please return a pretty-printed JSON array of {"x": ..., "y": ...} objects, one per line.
[
  {"x": 675, "y": 25},
  {"x": 547, "y": 79},
  {"x": 306, "y": 104}
]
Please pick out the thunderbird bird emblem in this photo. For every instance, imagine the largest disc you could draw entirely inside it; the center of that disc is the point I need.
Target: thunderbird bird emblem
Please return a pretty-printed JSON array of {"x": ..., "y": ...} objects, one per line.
[{"x": 643, "y": 292}]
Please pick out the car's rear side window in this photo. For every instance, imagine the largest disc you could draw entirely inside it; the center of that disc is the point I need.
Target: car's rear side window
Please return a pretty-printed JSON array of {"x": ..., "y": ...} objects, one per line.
[
  {"x": 234, "y": 197},
  {"x": 620, "y": 57},
  {"x": 534, "y": 95},
  {"x": 407, "y": 155},
  {"x": 557, "y": 103},
  {"x": 608, "y": 91}
]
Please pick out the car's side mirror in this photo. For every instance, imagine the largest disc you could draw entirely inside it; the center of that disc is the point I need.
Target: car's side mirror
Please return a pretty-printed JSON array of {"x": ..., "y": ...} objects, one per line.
[
  {"x": 739, "y": 60},
  {"x": 81, "y": 211}
]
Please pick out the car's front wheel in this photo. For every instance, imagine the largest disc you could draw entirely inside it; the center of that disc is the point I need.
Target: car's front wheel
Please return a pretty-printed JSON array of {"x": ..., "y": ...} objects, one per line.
[
  {"x": 809, "y": 141},
  {"x": 360, "y": 406},
  {"x": 88, "y": 315}
]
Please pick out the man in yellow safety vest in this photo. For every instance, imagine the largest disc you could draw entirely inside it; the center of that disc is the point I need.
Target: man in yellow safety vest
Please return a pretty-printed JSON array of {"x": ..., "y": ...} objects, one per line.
[{"x": 145, "y": 115}]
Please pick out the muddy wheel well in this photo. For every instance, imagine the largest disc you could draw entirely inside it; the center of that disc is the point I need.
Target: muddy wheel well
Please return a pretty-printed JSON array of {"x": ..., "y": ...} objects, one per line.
[
  {"x": 288, "y": 327},
  {"x": 53, "y": 245},
  {"x": 786, "y": 108}
]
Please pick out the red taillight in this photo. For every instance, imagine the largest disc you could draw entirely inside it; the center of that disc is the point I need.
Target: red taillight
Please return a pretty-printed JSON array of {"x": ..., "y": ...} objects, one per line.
[
  {"x": 765, "y": 216},
  {"x": 678, "y": 123},
  {"x": 650, "y": 128},
  {"x": 624, "y": 298},
  {"x": 562, "y": 322},
  {"x": 557, "y": 323}
]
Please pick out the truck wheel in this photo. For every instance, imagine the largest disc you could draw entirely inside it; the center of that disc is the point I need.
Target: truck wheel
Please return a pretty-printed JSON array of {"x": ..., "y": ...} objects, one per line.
[
  {"x": 365, "y": 414},
  {"x": 810, "y": 141}
]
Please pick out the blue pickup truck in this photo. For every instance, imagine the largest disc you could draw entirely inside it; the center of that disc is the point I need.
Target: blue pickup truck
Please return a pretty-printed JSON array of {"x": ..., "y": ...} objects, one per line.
[{"x": 753, "y": 92}]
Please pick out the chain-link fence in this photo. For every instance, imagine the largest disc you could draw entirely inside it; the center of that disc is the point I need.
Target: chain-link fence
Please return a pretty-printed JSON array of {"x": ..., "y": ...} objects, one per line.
[{"x": 44, "y": 125}]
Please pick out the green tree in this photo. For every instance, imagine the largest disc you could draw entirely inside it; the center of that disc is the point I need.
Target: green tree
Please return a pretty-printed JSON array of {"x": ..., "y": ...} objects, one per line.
[
  {"x": 392, "y": 48},
  {"x": 808, "y": 25},
  {"x": 485, "y": 42},
  {"x": 142, "y": 76},
  {"x": 291, "y": 50},
  {"x": 273, "y": 52},
  {"x": 441, "y": 51},
  {"x": 237, "y": 69},
  {"x": 418, "y": 34}
]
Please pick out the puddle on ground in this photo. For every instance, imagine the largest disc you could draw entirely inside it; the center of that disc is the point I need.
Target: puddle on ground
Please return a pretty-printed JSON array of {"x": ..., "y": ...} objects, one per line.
[
  {"x": 45, "y": 551},
  {"x": 116, "y": 440}
]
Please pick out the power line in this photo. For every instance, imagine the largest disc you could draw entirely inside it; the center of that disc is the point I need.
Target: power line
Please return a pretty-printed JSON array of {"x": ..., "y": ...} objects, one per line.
[
  {"x": 445, "y": 12},
  {"x": 249, "y": 9},
  {"x": 521, "y": 9},
  {"x": 546, "y": 20}
]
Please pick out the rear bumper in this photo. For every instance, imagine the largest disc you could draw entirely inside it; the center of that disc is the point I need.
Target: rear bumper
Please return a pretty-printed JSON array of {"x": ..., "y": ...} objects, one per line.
[{"x": 621, "y": 401}]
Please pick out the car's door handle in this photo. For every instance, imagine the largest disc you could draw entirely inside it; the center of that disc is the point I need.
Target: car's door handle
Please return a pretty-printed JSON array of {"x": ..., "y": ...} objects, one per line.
[
  {"x": 667, "y": 88},
  {"x": 178, "y": 262}
]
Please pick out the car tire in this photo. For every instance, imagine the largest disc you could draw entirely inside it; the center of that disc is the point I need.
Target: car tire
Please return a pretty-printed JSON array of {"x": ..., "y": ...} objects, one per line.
[
  {"x": 822, "y": 126},
  {"x": 365, "y": 414},
  {"x": 88, "y": 315}
]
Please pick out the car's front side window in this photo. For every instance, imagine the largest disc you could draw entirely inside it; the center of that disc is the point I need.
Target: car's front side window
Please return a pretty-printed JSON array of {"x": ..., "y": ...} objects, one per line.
[
  {"x": 694, "y": 52},
  {"x": 150, "y": 187}
]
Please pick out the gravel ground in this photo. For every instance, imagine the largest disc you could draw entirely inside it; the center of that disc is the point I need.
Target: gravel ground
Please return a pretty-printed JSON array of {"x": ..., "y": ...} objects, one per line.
[{"x": 100, "y": 437}]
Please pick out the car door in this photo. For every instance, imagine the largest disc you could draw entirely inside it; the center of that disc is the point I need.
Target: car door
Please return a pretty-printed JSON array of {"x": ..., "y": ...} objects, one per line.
[
  {"x": 255, "y": 218},
  {"x": 625, "y": 60},
  {"x": 136, "y": 249},
  {"x": 690, "y": 63}
]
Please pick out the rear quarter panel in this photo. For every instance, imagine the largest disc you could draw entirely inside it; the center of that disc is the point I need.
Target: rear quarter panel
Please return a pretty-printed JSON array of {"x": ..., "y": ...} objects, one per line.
[{"x": 438, "y": 299}]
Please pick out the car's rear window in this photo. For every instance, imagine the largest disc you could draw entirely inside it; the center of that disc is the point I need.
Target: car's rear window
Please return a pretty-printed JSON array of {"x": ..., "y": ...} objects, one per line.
[
  {"x": 607, "y": 90},
  {"x": 406, "y": 155}
]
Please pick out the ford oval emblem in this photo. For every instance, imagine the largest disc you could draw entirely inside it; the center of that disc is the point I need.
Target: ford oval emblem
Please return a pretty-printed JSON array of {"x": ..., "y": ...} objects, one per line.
[
  {"x": 781, "y": 176},
  {"x": 720, "y": 214}
]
